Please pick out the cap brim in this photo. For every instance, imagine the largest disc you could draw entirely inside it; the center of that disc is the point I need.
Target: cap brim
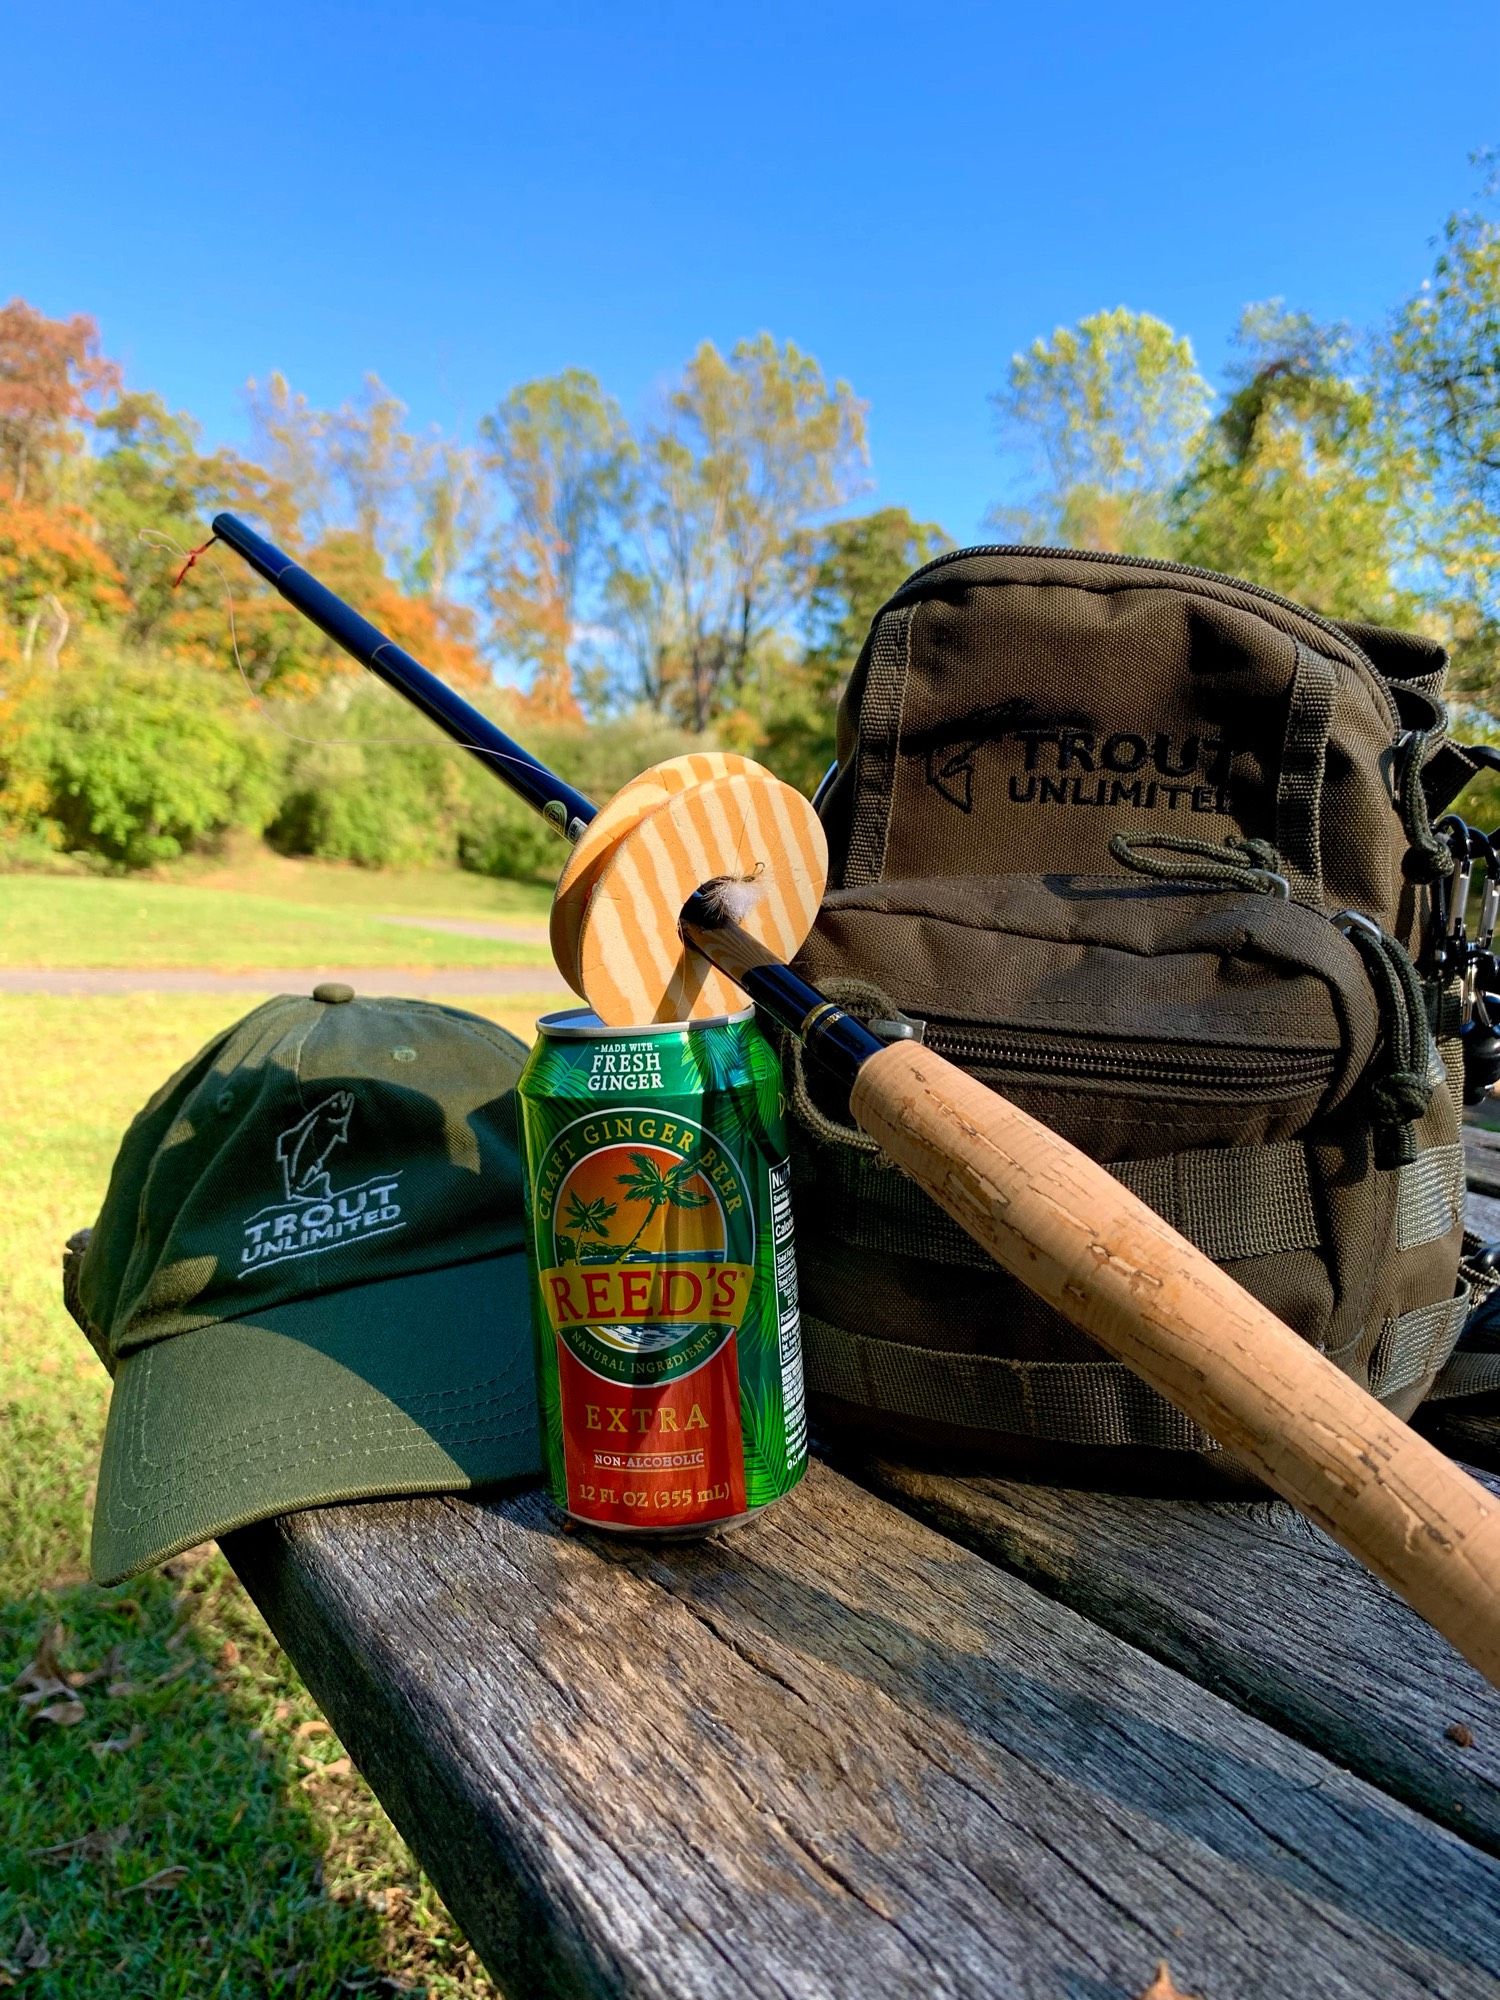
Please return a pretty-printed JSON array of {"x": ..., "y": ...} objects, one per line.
[{"x": 419, "y": 1384}]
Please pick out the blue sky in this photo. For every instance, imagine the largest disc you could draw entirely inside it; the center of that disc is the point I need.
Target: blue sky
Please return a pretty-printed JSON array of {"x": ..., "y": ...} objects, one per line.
[{"x": 460, "y": 197}]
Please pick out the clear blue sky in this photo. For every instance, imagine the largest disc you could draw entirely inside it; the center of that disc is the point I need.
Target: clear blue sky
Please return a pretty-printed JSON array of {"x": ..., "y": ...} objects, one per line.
[{"x": 459, "y": 197}]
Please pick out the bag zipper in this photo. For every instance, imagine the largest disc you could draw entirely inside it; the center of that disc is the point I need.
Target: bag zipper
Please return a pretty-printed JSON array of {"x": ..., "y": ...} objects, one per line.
[
  {"x": 1162, "y": 567},
  {"x": 1029, "y": 1052}
]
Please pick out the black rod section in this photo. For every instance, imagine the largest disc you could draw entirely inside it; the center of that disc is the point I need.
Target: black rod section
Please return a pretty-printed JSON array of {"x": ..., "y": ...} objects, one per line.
[
  {"x": 840, "y": 1041},
  {"x": 564, "y": 809}
]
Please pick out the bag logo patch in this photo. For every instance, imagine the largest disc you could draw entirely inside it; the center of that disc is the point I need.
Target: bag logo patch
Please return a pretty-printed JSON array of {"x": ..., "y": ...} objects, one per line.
[
  {"x": 312, "y": 1215},
  {"x": 1065, "y": 765}
]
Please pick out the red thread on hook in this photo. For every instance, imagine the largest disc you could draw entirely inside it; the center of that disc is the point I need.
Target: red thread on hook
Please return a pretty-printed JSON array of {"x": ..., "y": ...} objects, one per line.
[{"x": 193, "y": 555}]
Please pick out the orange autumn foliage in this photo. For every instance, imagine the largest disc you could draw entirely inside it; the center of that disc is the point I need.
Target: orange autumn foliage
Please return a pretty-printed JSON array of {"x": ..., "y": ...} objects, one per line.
[{"x": 51, "y": 551}]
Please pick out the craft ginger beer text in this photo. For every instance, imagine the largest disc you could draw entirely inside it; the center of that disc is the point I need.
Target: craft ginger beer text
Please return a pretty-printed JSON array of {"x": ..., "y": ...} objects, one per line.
[{"x": 663, "y": 1278}]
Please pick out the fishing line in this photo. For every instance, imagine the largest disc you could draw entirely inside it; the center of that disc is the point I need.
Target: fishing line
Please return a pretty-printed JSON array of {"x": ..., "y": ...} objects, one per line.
[{"x": 156, "y": 538}]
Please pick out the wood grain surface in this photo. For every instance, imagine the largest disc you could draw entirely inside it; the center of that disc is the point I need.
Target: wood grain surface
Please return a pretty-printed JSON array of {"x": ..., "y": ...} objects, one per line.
[
  {"x": 1253, "y": 1601},
  {"x": 837, "y": 1755},
  {"x": 1059, "y": 1222}
]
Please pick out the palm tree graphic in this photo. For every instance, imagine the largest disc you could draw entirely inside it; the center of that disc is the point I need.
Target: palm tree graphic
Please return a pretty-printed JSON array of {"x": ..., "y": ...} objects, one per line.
[
  {"x": 657, "y": 1189},
  {"x": 584, "y": 1219}
]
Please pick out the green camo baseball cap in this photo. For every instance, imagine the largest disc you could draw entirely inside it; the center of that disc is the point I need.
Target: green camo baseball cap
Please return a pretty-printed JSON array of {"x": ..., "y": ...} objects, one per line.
[{"x": 308, "y": 1278}]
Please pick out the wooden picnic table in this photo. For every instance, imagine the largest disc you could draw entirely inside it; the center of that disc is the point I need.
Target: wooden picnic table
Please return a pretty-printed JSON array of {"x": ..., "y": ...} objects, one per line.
[{"x": 914, "y": 1734}]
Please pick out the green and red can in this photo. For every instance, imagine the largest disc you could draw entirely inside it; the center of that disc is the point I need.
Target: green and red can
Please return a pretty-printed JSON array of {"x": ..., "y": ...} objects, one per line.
[{"x": 664, "y": 1283}]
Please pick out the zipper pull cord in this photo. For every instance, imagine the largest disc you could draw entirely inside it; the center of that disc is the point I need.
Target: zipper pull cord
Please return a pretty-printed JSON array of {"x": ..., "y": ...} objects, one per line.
[
  {"x": 1427, "y": 859},
  {"x": 1236, "y": 864},
  {"x": 1404, "y": 1092}
]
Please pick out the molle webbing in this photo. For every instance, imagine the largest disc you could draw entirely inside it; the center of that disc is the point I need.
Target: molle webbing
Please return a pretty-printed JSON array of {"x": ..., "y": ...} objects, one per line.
[
  {"x": 1413, "y": 1344},
  {"x": 1232, "y": 1202},
  {"x": 1070, "y": 1402}
]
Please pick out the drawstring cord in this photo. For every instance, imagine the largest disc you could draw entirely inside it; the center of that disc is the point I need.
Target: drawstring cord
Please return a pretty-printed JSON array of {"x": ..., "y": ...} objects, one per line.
[
  {"x": 1404, "y": 1092},
  {"x": 1253, "y": 865},
  {"x": 1428, "y": 859}
]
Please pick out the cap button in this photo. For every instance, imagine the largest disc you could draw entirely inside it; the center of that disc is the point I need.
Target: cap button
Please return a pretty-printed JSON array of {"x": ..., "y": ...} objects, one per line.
[{"x": 333, "y": 992}]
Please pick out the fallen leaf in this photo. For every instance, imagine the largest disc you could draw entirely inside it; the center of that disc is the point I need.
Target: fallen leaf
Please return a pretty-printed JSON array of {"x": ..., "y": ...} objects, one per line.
[
  {"x": 63, "y": 1713},
  {"x": 339, "y": 1768},
  {"x": 30, "y": 1955},
  {"x": 45, "y": 1663},
  {"x": 43, "y": 1678},
  {"x": 92, "y": 1846},
  {"x": 113, "y": 1661},
  {"x": 229, "y": 1654},
  {"x": 1163, "y": 1988},
  {"x": 164, "y": 1878},
  {"x": 281, "y": 1711},
  {"x": 316, "y": 1727},
  {"x": 118, "y": 1744}
]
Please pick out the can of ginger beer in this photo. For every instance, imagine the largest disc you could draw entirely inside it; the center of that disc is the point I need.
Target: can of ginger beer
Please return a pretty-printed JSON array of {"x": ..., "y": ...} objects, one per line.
[{"x": 664, "y": 1284}]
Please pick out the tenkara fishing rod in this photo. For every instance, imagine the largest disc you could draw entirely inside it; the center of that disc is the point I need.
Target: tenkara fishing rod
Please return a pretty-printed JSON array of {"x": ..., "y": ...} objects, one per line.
[
  {"x": 1055, "y": 1219},
  {"x": 566, "y": 811}
]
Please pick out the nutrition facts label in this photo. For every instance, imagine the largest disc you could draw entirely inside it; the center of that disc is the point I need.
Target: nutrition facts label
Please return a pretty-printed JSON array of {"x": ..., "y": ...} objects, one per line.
[{"x": 793, "y": 1399}]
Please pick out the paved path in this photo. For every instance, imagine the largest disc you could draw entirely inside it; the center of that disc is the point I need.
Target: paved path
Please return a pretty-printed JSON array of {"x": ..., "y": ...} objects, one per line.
[{"x": 476, "y": 980}]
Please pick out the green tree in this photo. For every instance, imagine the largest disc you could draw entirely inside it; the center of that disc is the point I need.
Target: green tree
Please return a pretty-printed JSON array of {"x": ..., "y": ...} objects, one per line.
[
  {"x": 1108, "y": 411},
  {"x": 1440, "y": 377},
  {"x": 750, "y": 449},
  {"x": 562, "y": 454},
  {"x": 849, "y": 569},
  {"x": 1297, "y": 484}
]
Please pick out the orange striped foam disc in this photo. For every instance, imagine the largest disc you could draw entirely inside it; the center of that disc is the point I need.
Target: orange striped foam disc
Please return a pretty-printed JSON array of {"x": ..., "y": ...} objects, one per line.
[
  {"x": 748, "y": 826},
  {"x": 627, "y": 808}
]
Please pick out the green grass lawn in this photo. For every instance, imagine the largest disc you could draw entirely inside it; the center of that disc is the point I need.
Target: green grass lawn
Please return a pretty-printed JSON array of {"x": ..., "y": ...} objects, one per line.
[
  {"x": 414, "y": 892},
  {"x": 195, "y": 1830},
  {"x": 70, "y": 920}
]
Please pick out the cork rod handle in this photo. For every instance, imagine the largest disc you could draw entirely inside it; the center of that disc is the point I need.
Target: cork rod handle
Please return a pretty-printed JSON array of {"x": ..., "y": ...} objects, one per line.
[{"x": 1087, "y": 1246}]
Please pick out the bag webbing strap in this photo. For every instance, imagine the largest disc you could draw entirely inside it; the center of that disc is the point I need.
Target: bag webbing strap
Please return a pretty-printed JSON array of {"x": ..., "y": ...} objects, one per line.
[
  {"x": 1069, "y": 1402},
  {"x": 1299, "y": 792},
  {"x": 1231, "y": 1201},
  {"x": 879, "y": 735},
  {"x": 1429, "y": 1196},
  {"x": 1415, "y": 1343}
]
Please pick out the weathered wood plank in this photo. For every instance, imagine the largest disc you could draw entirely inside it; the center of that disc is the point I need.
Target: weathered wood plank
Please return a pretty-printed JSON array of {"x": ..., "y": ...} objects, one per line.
[
  {"x": 1482, "y": 1159},
  {"x": 1250, "y": 1600},
  {"x": 837, "y": 1754}
]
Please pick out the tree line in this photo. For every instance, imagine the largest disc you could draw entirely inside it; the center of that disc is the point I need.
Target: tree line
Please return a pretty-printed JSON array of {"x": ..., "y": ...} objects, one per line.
[{"x": 699, "y": 572}]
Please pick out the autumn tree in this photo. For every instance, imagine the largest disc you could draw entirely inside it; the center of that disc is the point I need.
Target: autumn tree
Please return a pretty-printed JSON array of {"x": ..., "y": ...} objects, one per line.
[
  {"x": 1297, "y": 484},
  {"x": 848, "y": 570},
  {"x": 749, "y": 449},
  {"x": 1107, "y": 411},
  {"x": 562, "y": 455},
  {"x": 52, "y": 375},
  {"x": 1440, "y": 382}
]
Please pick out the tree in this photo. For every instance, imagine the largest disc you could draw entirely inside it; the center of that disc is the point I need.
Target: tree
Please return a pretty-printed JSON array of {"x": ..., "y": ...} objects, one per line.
[
  {"x": 450, "y": 506},
  {"x": 1440, "y": 378},
  {"x": 1108, "y": 411},
  {"x": 379, "y": 465},
  {"x": 152, "y": 479},
  {"x": 51, "y": 375},
  {"x": 563, "y": 456},
  {"x": 291, "y": 441},
  {"x": 1296, "y": 484},
  {"x": 849, "y": 569},
  {"x": 750, "y": 448}
]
